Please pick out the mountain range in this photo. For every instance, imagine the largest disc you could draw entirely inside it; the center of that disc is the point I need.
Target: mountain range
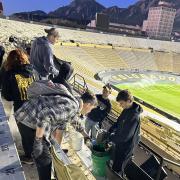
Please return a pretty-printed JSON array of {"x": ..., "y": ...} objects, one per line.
[{"x": 85, "y": 10}]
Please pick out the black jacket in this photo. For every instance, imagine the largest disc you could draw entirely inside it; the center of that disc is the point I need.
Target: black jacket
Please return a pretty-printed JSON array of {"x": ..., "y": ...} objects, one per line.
[
  {"x": 65, "y": 73},
  {"x": 15, "y": 83},
  {"x": 101, "y": 111},
  {"x": 127, "y": 128},
  {"x": 2, "y": 52}
]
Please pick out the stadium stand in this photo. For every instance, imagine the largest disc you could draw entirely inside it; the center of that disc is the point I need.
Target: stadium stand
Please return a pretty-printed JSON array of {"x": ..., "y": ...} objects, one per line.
[
  {"x": 145, "y": 60},
  {"x": 129, "y": 57},
  {"x": 176, "y": 63},
  {"x": 106, "y": 57},
  {"x": 78, "y": 59},
  {"x": 164, "y": 61},
  {"x": 62, "y": 52},
  {"x": 88, "y": 59},
  {"x": 24, "y": 29}
]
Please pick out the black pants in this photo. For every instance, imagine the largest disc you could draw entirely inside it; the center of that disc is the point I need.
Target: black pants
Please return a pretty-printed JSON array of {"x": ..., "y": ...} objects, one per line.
[
  {"x": 27, "y": 136},
  {"x": 121, "y": 155},
  {"x": 44, "y": 161}
]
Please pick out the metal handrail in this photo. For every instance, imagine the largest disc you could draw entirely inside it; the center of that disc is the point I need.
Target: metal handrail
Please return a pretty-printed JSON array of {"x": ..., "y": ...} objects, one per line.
[
  {"x": 158, "y": 155},
  {"x": 75, "y": 83},
  {"x": 162, "y": 160}
]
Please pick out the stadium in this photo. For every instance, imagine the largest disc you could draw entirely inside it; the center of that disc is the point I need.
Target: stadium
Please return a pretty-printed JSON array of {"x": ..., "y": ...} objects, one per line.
[
  {"x": 160, "y": 89},
  {"x": 149, "y": 68}
]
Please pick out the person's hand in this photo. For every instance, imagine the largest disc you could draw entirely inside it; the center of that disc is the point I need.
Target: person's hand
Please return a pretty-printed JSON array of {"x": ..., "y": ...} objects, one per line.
[
  {"x": 53, "y": 141},
  {"x": 50, "y": 83},
  {"x": 107, "y": 135},
  {"x": 87, "y": 141},
  {"x": 87, "y": 138},
  {"x": 37, "y": 147},
  {"x": 78, "y": 126}
]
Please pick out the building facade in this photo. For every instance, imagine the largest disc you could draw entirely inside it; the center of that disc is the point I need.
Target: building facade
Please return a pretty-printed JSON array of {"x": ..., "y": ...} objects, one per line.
[
  {"x": 102, "y": 21},
  {"x": 160, "y": 21},
  {"x": 125, "y": 29}
]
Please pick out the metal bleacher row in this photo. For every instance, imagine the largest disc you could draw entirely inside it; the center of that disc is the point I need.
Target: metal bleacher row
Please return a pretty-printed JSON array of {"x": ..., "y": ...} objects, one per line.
[
  {"x": 10, "y": 165},
  {"x": 130, "y": 52},
  {"x": 32, "y": 29},
  {"x": 91, "y": 60}
]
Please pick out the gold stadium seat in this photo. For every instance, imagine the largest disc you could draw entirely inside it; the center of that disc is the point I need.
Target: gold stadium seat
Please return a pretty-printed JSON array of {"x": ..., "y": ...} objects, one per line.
[{"x": 68, "y": 172}]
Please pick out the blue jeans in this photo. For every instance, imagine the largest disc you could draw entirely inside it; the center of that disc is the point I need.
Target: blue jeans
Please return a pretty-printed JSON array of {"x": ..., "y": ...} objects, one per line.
[{"x": 90, "y": 126}]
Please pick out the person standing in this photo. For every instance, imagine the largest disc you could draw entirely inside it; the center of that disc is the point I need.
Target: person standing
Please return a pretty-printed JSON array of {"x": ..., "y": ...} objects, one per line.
[
  {"x": 43, "y": 116},
  {"x": 97, "y": 115},
  {"x": 125, "y": 133},
  {"x": 17, "y": 77},
  {"x": 41, "y": 54}
]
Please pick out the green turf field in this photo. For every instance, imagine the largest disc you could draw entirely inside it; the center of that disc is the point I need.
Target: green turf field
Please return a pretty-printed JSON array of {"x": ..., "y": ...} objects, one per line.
[{"x": 163, "y": 96}]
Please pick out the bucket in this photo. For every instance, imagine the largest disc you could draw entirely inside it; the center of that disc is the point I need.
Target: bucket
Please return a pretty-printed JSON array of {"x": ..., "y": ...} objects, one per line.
[
  {"x": 99, "y": 159},
  {"x": 77, "y": 141}
]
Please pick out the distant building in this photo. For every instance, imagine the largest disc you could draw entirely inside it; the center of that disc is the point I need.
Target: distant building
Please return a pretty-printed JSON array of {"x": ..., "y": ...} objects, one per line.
[
  {"x": 102, "y": 23},
  {"x": 125, "y": 29},
  {"x": 145, "y": 24},
  {"x": 1, "y": 9},
  {"x": 160, "y": 21},
  {"x": 92, "y": 24}
]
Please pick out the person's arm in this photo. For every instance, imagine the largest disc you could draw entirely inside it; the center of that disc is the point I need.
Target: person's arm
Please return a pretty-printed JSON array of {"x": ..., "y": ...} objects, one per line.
[
  {"x": 7, "y": 88},
  {"x": 38, "y": 143},
  {"x": 127, "y": 132},
  {"x": 108, "y": 110},
  {"x": 58, "y": 135},
  {"x": 49, "y": 62},
  {"x": 39, "y": 132},
  {"x": 114, "y": 126}
]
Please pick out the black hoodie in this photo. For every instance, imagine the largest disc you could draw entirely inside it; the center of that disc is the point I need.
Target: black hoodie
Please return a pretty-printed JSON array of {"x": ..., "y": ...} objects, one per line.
[
  {"x": 2, "y": 52},
  {"x": 65, "y": 72},
  {"x": 127, "y": 128},
  {"x": 15, "y": 83}
]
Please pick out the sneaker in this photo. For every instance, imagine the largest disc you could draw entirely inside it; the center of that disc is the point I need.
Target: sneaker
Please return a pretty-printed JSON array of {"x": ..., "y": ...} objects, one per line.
[{"x": 26, "y": 160}]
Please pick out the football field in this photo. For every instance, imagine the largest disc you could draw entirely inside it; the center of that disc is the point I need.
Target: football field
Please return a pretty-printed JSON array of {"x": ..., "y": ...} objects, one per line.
[{"x": 163, "y": 96}]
